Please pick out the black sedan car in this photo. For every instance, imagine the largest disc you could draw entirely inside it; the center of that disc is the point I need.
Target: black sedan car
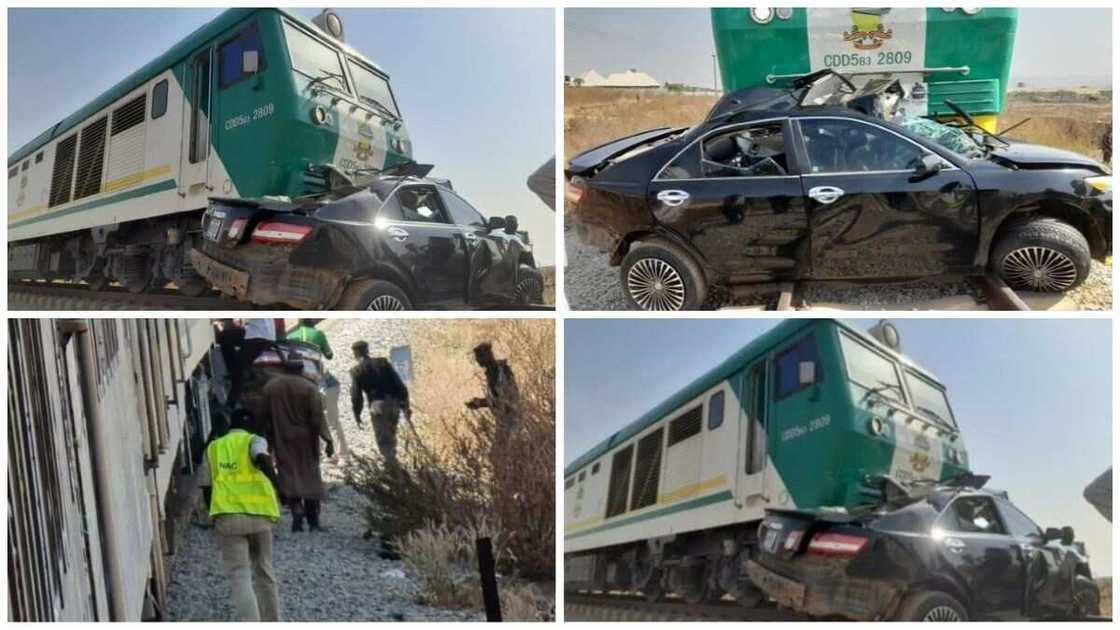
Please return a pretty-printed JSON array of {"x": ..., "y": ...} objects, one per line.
[
  {"x": 946, "y": 553},
  {"x": 398, "y": 243},
  {"x": 824, "y": 181}
]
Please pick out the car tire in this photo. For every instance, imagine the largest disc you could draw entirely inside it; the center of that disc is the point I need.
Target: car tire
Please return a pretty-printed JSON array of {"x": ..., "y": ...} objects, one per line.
[
  {"x": 931, "y": 606},
  {"x": 1086, "y": 598},
  {"x": 660, "y": 276},
  {"x": 1041, "y": 254},
  {"x": 530, "y": 286},
  {"x": 374, "y": 295}
]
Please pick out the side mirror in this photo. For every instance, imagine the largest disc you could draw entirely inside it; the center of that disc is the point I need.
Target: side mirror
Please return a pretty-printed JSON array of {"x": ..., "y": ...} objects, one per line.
[
  {"x": 930, "y": 165},
  {"x": 250, "y": 62},
  {"x": 495, "y": 223},
  {"x": 807, "y": 372},
  {"x": 511, "y": 224}
]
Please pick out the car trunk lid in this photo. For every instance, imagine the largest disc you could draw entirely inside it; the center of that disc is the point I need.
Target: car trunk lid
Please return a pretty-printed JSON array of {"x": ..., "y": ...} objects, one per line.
[{"x": 590, "y": 161}]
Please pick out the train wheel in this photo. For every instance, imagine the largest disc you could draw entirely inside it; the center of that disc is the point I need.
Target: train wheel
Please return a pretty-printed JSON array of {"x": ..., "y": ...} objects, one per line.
[
  {"x": 137, "y": 274},
  {"x": 97, "y": 281},
  {"x": 693, "y": 588},
  {"x": 646, "y": 576}
]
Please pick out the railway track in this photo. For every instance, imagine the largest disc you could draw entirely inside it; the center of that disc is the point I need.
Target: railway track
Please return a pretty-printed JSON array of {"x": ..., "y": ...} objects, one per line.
[
  {"x": 992, "y": 294},
  {"x": 45, "y": 296},
  {"x": 620, "y": 607}
]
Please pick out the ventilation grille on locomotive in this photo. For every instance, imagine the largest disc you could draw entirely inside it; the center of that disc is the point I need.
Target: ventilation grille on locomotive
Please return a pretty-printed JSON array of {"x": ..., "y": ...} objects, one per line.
[
  {"x": 685, "y": 425},
  {"x": 91, "y": 158},
  {"x": 620, "y": 482},
  {"x": 647, "y": 470},
  {"x": 62, "y": 175}
]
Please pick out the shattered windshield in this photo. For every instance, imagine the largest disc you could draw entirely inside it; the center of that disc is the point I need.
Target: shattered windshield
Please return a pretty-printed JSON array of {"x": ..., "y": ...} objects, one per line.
[{"x": 952, "y": 138}]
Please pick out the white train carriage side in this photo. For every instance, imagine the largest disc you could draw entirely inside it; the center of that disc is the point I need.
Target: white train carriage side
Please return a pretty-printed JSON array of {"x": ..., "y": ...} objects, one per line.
[{"x": 106, "y": 422}]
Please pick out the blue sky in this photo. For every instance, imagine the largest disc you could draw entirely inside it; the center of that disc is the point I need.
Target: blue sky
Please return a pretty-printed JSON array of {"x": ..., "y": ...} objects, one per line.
[
  {"x": 475, "y": 86},
  {"x": 1079, "y": 46},
  {"x": 1033, "y": 397}
]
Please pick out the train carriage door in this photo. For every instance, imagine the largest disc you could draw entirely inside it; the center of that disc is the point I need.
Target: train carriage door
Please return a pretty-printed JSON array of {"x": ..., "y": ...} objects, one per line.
[
  {"x": 196, "y": 131},
  {"x": 753, "y": 442}
]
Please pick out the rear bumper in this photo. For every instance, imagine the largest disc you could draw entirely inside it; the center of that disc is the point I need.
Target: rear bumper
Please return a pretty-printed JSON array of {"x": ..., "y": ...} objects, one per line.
[
  {"x": 262, "y": 275},
  {"x": 824, "y": 590}
]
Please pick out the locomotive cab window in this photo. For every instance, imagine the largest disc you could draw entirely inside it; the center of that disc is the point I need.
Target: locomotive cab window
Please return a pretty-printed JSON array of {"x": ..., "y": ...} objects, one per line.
[
  {"x": 929, "y": 399},
  {"x": 231, "y": 54},
  {"x": 373, "y": 88},
  {"x": 159, "y": 99},
  {"x": 315, "y": 59},
  {"x": 871, "y": 371},
  {"x": 746, "y": 152},
  {"x": 715, "y": 411},
  {"x": 787, "y": 379}
]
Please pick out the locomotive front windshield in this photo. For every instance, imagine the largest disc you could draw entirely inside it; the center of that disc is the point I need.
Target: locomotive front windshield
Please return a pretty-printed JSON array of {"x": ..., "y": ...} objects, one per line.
[
  {"x": 373, "y": 89},
  {"x": 876, "y": 376},
  {"x": 315, "y": 59}
]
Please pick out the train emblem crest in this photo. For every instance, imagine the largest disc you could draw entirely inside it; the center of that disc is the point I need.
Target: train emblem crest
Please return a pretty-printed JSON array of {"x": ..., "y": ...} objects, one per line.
[{"x": 868, "y": 32}]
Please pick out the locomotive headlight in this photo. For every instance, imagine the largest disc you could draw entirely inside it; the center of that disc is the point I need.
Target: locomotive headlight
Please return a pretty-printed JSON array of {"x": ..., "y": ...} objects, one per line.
[
  {"x": 784, "y": 13},
  {"x": 762, "y": 15},
  {"x": 319, "y": 115},
  {"x": 971, "y": 10},
  {"x": 877, "y": 425}
]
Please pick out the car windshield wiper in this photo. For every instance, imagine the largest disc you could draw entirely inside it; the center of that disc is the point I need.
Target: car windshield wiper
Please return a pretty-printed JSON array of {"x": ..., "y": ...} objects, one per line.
[
  {"x": 933, "y": 414},
  {"x": 878, "y": 391}
]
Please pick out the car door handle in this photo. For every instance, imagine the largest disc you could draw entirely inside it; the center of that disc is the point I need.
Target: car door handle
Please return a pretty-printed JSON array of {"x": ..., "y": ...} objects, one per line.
[
  {"x": 398, "y": 234},
  {"x": 825, "y": 194},
  {"x": 955, "y": 545},
  {"x": 672, "y": 198}
]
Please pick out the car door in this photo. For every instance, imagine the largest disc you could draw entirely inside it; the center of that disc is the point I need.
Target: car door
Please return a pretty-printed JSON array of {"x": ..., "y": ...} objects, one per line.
[
  {"x": 870, "y": 214},
  {"x": 735, "y": 195},
  {"x": 492, "y": 259},
  {"x": 975, "y": 544},
  {"x": 1049, "y": 570},
  {"x": 420, "y": 237}
]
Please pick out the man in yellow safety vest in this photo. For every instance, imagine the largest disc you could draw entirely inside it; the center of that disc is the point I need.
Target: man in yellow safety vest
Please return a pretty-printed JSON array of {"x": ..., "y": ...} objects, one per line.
[{"x": 239, "y": 484}]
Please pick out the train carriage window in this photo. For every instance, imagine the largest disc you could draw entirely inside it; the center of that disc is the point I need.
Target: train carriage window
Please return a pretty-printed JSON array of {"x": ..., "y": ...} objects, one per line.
[
  {"x": 685, "y": 425},
  {"x": 26, "y": 164},
  {"x": 159, "y": 99},
  {"x": 715, "y": 410},
  {"x": 230, "y": 53},
  {"x": 582, "y": 476},
  {"x": 787, "y": 380},
  {"x": 595, "y": 469},
  {"x": 38, "y": 157},
  {"x": 647, "y": 470},
  {"x": 12, "y": 172},
  {"x": 570, "y": 483},
  {"x": 870, "y": 370},
  {"x": 619, "y": 486},
  {"x": 315, "y": 59}
]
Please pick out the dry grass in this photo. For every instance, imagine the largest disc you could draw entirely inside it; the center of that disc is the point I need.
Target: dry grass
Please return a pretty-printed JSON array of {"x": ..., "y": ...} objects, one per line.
[
  {"x": 451, "y": 480},
  {"x": 593, "y": 116}
]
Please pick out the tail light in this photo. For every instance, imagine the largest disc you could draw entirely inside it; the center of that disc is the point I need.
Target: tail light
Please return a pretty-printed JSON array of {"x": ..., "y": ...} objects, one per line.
[
  {"x": 574, "y": 189},
  {"x": 277, "y": 232},
  {"x": 834, "y": 544}
]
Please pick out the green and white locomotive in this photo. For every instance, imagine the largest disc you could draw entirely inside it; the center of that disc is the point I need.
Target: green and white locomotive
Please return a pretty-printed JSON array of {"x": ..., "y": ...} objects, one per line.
[
  {"x": 257, "y": 102},
  {"x": 813, "y": 414}
]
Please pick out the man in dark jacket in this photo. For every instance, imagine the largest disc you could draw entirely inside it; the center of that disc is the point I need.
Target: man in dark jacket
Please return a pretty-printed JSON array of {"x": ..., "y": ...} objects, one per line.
[
  {"x": 294, "y": 421},
  {"x": 375, "y": 379},
  {"x": 502, "y": 395}
]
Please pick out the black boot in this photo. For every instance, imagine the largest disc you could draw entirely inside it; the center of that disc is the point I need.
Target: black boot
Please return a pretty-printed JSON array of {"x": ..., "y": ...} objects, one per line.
[{"x": 314, "y": 509}]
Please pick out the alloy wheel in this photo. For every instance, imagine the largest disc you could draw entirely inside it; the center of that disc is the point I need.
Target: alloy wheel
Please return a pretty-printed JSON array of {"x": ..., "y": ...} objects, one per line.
[
  {"x": 942, "y": 613},
  {"x": 1039, "y": 268},
  {"x": 529, "y": 290},
  {"x": 655, "y": 285},
  {"x": 385, "y": 303}
]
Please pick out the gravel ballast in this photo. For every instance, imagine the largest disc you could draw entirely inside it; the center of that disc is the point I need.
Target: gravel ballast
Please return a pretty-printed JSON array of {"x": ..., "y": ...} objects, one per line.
[{"x": 323, "y": 576}]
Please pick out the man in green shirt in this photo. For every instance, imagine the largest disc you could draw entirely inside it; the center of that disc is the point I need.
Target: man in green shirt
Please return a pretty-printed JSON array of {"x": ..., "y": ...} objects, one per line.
[{"x": 308, "y": 334}]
